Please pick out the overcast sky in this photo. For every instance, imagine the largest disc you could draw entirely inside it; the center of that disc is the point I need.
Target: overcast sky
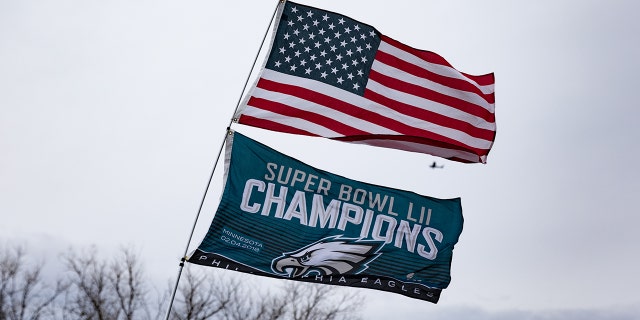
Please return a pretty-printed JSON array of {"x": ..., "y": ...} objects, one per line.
[{"x": 112, "y": 114}]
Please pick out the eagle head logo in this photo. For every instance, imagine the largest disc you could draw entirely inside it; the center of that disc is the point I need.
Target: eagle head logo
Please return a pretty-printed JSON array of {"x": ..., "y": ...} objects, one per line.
[{"x": 329, "y": 256}]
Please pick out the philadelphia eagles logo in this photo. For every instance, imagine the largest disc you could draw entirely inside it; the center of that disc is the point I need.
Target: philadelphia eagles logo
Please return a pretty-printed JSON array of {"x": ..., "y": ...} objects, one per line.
[{"x": 329, "y": 256}]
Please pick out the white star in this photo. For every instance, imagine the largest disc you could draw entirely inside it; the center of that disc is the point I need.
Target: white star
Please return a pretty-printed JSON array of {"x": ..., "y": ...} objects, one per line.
[
  {"x": 362, "y": 36},
  {"x": 287, "y": 59},
  {"x": 334, "y": 70},
  {"x": 292, "y": 44},
  {"x": 311, "y": 36},
  {"x": 318, "y": 66},
  {"x": 325, "y": 17},
  {"x": 313, "y": 57},
  {"x": 301, "y": 40},
  {"x": 307, "y": 49},
  {"x": 296, "y": 32},
  {"x": 293, "y": 67},
  {"x": 347, "y": 30},
  {"x": 297, "y": 53},
  {"x": 323, "y": 53},
  {"x": 327, "y": 40},
  {"x": 372, "y": 33},
  {"x": 337, "y": 34},
  {"x": 354, "y": 62},
  {"x": 356, "y": 28},
  {"x": 307, "y": 71},
  {"x": 339, "y": 57},
  {"x": 305, "y": 27},
  {"x": 286, "y": 36},
  {"x": 309, "y": 14},
  {"x": 350, "y": 76},
  {"x": 323, "y": 74},
  {"x": 349, "y": 52},
  {"x": 300, "y": 18},
  {"x": 303, "y": 62},
  {"x": 368, "y": 46},
  {"x": 340, "y": 81},
  {"x": 329, "y": 62},
  {"x": 321, "y": 32},
  {"x": 315, "y": 23},
  {"x": 317, "y": 44},
  {"x": 343, "y": 43},
  {"x": 278, "y": 64},
  {"x": 290, "y": 23},
  {"x": 359, "y": 49},
  {"x": 331, "y": 26},
  {"x": 356, "y": 86},
  {"x": 360, "y": 73},
  {"x": 282, "y": 50},
  {"x": 345, "y": 66},
  {"x": 364, "y": 59},
  {"x": 353, "y": 39},
  {"x": 333, "y": 48},
  {"x": 294, "y": 9},
  {"x": 341, "y": 21}
]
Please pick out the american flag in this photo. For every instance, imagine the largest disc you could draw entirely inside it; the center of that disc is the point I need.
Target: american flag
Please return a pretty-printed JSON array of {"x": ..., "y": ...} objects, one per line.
[{"x": 331, "y": 76}]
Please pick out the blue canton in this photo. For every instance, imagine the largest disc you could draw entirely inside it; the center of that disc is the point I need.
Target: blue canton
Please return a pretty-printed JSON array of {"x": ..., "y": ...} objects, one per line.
[{"x": 324, "y": 46}]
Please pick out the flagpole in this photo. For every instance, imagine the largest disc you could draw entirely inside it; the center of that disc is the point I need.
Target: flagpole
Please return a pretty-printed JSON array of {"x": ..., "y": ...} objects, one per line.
[{"x": 195, "y": 222}]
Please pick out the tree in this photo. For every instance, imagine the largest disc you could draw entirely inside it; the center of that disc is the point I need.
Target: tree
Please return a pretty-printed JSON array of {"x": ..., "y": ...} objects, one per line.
[
  {"x": 209, "y": 293},
  {"x": 309, "y": 301},
  {"x": 202, "y": 296},
  {"x": 23, "y": 293},
  {"x": 97, "y": 288},
  {"x": 104, "y": 291}
]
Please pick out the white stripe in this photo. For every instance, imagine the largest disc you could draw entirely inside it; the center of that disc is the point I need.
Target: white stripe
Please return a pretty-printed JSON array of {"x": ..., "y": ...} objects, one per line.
[
  {"x": 428, "y": 84},
  {"x": 430, "y": 105},
  {"x": 309, "y": 106},
  {"x": 292, "y": 122},
  {"x": 421, "y": 148},
  {"x": 364, "y": 103},
  {"x": 433, "y": 67}
]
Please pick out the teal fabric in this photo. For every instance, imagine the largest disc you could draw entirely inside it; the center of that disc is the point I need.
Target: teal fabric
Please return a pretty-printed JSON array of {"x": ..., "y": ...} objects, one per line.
[{"x": 274, "y": 206}]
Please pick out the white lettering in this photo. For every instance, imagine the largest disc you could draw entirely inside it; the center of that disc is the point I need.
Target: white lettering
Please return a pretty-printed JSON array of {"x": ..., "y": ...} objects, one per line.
[
  {"x": 345, "y": 192},
  {"x": 246, "y": 195},
  {"x": 345, "y": 217},
  {"x": 271, "y": 175},
  {"x": 323, "y": 215},
  {"x": 297, "y": 208},
  {"x": 405, "y": 232},
  {"x": 378, "y": 228},
  {"x": 271, "y": 198},
  {"x": 433, "y": 250}
]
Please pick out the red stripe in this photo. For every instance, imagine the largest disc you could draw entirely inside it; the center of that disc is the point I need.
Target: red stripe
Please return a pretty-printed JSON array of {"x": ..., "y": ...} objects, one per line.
[
  {"x": 317, "y": 118},
  {"x": 483, "y": 80},
  {"x": 270, "y": 125},
  {"x": 339, "y": 105},
  {"x": 356, "y": 111},
  {"x": 431, "y": 116},
  {"x": 418, "y": 91},
  {"x": 455, "y": 83}
]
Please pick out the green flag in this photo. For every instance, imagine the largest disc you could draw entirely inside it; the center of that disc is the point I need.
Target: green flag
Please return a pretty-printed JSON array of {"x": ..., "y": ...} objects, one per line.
[{"x": 279, "y": 217}]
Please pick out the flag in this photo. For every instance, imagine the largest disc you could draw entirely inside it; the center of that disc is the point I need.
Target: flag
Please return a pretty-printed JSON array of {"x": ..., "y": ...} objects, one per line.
[
  {"x": 331, "y": 76},
  {"x": 281, "y": 218}
]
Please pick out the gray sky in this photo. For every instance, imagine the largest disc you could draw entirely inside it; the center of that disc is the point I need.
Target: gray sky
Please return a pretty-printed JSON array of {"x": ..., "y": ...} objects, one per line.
[{"x": 112, "y": 114}]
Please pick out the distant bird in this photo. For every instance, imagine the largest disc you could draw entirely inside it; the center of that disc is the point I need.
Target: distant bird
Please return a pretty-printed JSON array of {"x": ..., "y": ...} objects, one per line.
[{"x": 435, "y": 166}]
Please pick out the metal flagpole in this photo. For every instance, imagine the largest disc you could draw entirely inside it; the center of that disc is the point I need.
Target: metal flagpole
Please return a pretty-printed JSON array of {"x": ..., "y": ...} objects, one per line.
[{"x": 195, "y": 222}]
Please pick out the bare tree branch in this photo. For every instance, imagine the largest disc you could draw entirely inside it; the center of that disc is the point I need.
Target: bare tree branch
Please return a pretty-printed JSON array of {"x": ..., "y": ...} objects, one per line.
[
  {"x": 128, "y": 285},
  {"x": 23, "y": 293},
  {"x": 96, "y": 288}
]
